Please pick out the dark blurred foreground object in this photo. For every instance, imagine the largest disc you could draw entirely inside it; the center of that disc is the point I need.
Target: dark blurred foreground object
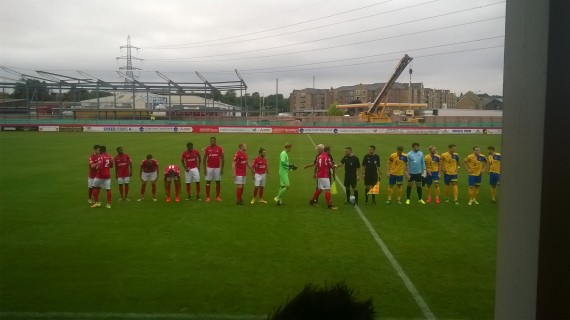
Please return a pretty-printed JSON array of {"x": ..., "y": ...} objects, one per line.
[{"x": 334, "y": 302}]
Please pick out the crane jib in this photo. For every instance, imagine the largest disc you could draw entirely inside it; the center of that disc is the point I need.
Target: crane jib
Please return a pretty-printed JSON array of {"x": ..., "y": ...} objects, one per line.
[{"x": 386, "y": 89}]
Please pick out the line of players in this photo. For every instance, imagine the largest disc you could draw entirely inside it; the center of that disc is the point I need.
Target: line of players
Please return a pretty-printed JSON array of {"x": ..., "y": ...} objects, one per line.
[
  {"x": 101, "y": 163},
  {"x": 419, "y": 170}
]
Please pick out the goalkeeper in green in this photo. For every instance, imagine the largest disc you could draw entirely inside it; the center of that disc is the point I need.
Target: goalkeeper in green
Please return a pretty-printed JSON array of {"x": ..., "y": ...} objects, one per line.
[{"x": 284, "y": 167}]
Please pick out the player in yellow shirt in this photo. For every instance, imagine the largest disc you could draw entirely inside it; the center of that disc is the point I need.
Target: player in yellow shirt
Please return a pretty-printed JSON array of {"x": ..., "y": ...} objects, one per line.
[
  {"x": 494, "y": 165},
  {"x": 474, "y": 163},
  {"x": 449, "y": 167},
  {"x": 396, "y": 168},
  {"x": 433, "y": 166}
]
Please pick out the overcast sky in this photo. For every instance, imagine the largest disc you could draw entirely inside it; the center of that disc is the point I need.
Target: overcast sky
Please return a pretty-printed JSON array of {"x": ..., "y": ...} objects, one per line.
[{"x": 456, "y": 44}]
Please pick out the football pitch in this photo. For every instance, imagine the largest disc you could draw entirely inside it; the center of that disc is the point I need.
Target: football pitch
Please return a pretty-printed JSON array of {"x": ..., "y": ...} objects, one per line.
[{"x": 59, "y": 258}]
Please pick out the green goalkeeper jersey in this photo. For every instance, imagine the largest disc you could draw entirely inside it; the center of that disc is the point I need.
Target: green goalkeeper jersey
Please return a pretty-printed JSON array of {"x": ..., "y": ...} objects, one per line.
[{"x": 284, "y": 163}]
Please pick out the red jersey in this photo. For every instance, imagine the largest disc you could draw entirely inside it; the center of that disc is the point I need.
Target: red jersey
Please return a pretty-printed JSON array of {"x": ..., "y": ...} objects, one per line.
[
  {"x": 240, "y": 160},
  {"x": 259, "y": 165},
  {"x": 149, "y": 166},
  {"x": 93, "y": 160},
  {"x": 123, "y": 165},
  {"x": 214, "y": 156},
  {"x": 324, "y": 163},
  {"x": 104, "y": 166},
  {"x": 172, "y": 167},
  {"x": 191, "y": 158}
]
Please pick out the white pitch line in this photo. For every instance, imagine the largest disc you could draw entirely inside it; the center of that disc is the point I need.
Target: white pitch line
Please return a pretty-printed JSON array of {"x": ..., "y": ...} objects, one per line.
[
  {"x": 409, "y": 285},
  {"x": 106, "y": 315}
]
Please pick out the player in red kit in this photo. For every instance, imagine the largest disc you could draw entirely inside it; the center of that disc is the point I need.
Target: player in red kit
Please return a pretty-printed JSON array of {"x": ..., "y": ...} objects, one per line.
[
  {"x": 239, "y": 169},
  {"x": 123, "y": 173},
  {"x": 103, "y": 177},
  {"x": 213, "y": 167},
  {"x": 149, "y": 172},
  {"x": 172, "y": 173},
  {"x": 260, "y": 171},
  {"x": 322, "y": 173},
  {"x": 93, "y": 160},
  {"x": 191, "y": 163}
]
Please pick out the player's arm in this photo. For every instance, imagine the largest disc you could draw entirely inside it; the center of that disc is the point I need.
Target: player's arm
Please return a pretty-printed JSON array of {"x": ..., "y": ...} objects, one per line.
[
  {"x": 183, "y": 163},
  {"x": 424, "y": 167},
  {"x": 130, "y": 168},
  {"x": 234, "y": 167},
  {"x": 140, "y": 172},
  {"x": 157, "y": 171},
  {"x": 116, "y": 169},
  {"x": 337, "y": 165},
  {"x": 315, "y": 169},
  {"x": 223, "y": 163},
  {"x": 205, "y": 161},
  {"x": 198, "y": 162},
  {"x": 358, "y": 170},
  {"x": 378, "y": 169}
]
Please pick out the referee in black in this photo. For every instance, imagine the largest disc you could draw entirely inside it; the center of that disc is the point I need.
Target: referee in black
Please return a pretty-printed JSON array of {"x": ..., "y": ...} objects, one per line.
[
  {"x": 351, "y": 173},
  {"x": 372, "y": 173}
]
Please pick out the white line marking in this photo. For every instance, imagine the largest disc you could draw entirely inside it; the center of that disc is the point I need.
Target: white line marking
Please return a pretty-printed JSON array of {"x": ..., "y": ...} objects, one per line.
[
  {"x": 411, "y": 288},
  {"x": 80, "y": 315}
]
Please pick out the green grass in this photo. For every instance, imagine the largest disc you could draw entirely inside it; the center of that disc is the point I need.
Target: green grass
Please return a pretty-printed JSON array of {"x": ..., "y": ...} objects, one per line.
[{"x": 59, "y": 255}]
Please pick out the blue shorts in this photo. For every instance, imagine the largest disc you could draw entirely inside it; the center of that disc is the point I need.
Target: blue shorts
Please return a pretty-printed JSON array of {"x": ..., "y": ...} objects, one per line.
[
  {"x": 448, "y": 178},
  {"x": 494, "y": 178},
  {"x": 395, "y": 180},
  {"x": 474, "y": 180},
  {"x": 433, "y": 178}
]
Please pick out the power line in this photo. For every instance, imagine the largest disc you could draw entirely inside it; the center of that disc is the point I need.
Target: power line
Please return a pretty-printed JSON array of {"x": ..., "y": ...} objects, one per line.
[
  {"x": 274, "y": 69},
  {"x": 277, "y": 28},
  {"x": 336, "y": 24},
  {"x": 324, "y": 48},
  {"x": 258, "y": 17},
  {"x": 308, "y": 29},
  {"x": 371, "y": 56},
  {"x": 381, "y": 61}
]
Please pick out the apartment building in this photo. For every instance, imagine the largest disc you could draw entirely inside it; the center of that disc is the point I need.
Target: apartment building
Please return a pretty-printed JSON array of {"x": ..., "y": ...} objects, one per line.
[{"x": 301, "y": 102}]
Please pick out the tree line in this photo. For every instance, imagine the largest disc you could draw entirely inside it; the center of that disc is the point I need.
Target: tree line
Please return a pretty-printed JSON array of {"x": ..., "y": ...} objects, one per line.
[{"x": 35, "y": 90}]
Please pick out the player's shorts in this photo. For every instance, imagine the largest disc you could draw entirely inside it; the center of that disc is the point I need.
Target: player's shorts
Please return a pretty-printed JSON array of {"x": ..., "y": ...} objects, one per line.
[
  {"x": 474, "y": 180},
  {"x": 370, "y": 178},
  {"x": 192, "y": 175},
  {"x": 149, "y": 176},
  {"x": 173, "y": 178},
  {"x": 284, "y": 179},
  {"x": 433, "y": 178},
  {"x": 259, "y": 180},
  {"x": 392, "y": 180},
  {"x": 213, "y": 174},
  {"x": 417, "y": 177},
  {"x": 102, "y": 183},
  {"x": 124, "y": 180},
  {"x": 324, "y": 183},
  {"x": 350, "y": 181},
  {"x": 448, "y": 178},
  {"x": 90, "y": 182},
  {"x": 239, "y": 180},
  {"x": 494, "y": 178}
]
